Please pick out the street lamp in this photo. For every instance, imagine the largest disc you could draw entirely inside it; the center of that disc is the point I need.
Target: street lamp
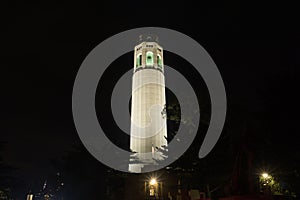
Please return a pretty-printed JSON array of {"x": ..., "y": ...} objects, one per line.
[
  {"x": 153, "y": 188},
  {"x": 153, "y": 181},
  {"x": 266, "y": 182},
  {"x": 265, "y": 175}
]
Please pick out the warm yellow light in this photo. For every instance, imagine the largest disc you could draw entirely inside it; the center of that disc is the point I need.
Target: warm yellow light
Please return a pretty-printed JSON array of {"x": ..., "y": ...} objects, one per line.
[
  {"x": 265, "y": 175},
  {"x": 153, "y": 181}
]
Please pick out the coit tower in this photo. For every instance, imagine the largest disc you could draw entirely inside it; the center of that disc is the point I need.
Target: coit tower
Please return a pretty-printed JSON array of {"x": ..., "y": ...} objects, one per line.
[{"x": 148, "y": 132}]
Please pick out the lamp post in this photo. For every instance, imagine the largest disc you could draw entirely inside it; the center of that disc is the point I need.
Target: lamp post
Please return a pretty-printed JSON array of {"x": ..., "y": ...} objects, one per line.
[
  {"x": 153, "y": 189},
  {"x": 265, "y": 180}
]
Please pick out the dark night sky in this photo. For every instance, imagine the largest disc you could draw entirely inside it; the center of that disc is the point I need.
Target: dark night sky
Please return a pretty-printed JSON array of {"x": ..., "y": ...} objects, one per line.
[{"x": 255, "y": 46}]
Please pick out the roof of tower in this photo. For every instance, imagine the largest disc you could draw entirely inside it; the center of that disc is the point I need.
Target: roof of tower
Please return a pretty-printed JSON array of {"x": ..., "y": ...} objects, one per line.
[{"x": 148, "y": 38}]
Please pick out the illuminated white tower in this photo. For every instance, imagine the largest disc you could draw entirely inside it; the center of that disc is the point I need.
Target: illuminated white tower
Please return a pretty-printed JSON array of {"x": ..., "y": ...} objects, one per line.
[{"x": 148, "y": 131}]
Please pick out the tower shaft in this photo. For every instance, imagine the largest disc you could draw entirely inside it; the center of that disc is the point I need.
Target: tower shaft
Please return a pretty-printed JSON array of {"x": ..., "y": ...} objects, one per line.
[{"x": 148, "y": 131}]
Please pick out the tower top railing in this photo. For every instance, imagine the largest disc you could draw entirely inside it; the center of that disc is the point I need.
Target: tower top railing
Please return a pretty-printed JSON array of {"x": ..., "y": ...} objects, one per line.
[{"x": 148, "y": 38}]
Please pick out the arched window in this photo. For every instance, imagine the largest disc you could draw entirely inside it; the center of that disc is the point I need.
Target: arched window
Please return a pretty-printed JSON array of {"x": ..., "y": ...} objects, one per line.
[
  {"x": 149, "y": 58},
  {"x": 139, "y": 60},
  {"x": 159, "y": 61}
]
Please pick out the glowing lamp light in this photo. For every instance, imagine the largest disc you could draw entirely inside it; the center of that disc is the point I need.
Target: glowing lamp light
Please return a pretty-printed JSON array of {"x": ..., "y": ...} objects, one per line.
[
  {"x": 265, "y": 175},
  {"x": 153, "y": 181}
]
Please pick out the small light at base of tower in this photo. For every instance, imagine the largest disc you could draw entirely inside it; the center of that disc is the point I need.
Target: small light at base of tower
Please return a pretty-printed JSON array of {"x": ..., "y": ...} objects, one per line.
[{"x": 153, "y": 181}]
